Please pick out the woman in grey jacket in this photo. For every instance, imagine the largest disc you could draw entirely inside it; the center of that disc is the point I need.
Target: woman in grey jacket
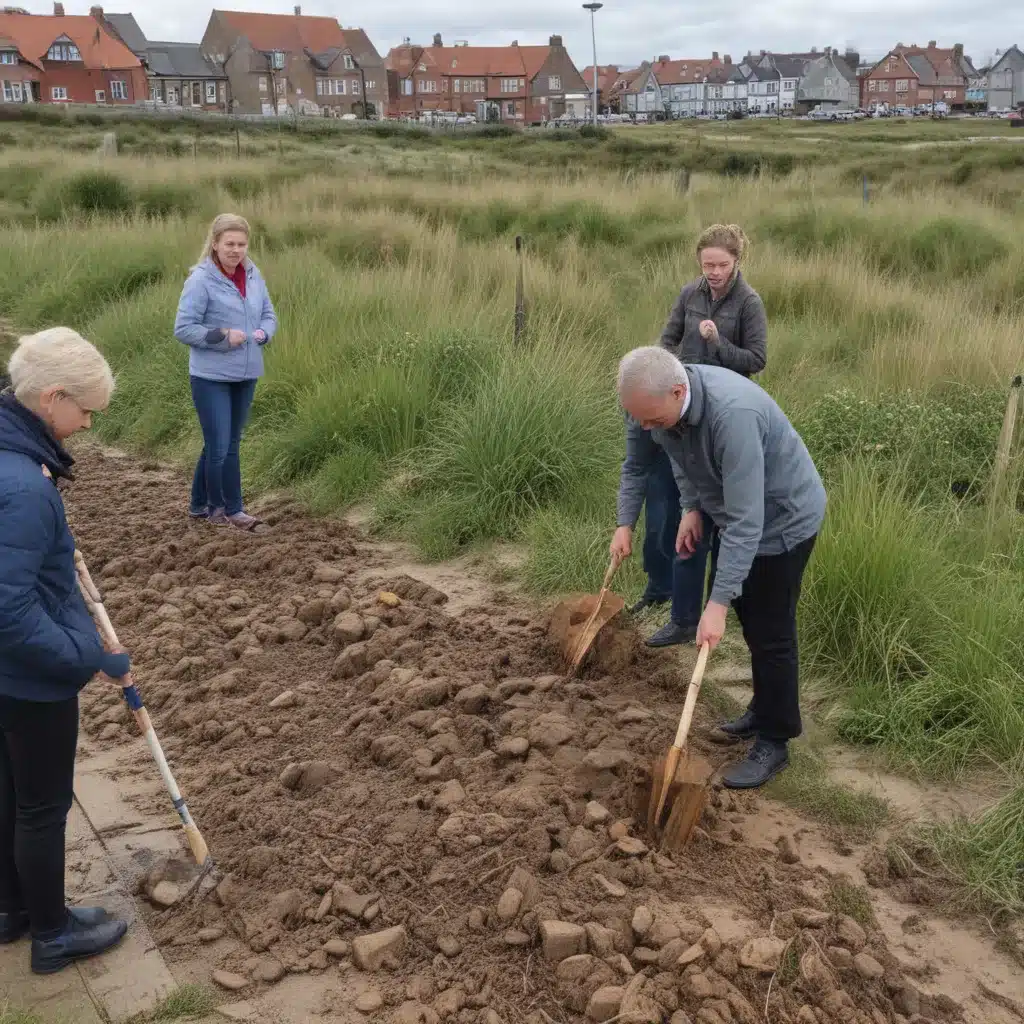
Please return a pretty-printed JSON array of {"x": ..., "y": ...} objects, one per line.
[{"x": 225, "y": 316}]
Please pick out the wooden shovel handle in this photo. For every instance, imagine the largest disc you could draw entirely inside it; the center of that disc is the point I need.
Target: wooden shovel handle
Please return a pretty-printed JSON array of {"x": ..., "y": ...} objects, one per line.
[
  {"x": 691, "y": 697},
  {"x": 613, "y": 567}
]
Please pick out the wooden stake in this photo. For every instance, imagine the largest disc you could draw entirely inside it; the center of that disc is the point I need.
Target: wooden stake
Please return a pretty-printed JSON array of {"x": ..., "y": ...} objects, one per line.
[
  {"x": 520, "y": 322},
  {"x": 1004, "y": 445}
]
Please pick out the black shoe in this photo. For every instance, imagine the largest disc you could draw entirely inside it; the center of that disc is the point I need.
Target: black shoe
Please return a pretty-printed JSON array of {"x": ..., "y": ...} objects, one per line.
[
  {"x": 646, "y": 602},
  {"x": 672, "y": 634},
  {"x": 742, "y": 728},
  {"x": 76, "y": 942},
  {"x": 14, "y": 926},
  {"x": 765, "y": 760}
]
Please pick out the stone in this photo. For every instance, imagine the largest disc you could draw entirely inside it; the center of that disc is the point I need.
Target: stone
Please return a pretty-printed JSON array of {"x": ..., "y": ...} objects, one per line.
[
  {"x": 514, "y": 937},
  {"x": 711, "y": 941},
  {"x": 208, "y": 935},
  {"x": 868, "y": 967},
  {"x": 662, "y": 932},
  {"x": 473, "y": 700},
  {"x": 643, "y": 921},
  {"x": 612, "y": 887},
  {"x": 646, "y": 956},
  {"x": 164, "y": 894},
  {"x": 347, "y": 901},
  {"x": 291, "y": 776},
  {"x": 269, "y": 971},
  {"x": 450, "y": 796},
  {"x": 600, "y": 940},
  {"x": 560, "y": 862},
  {"x": 604, "y": 1003},
  {"x": 576, "y": 968},
  {"x": 313, "y": 613},
  {"x": 341, "y": 602},
  {"x": 560, "y": 939},
  {"x": 449, "y": 945},
  {"x": 595, "y": 814},
  {"x": 513, "y": 747},
  {"x": 369, "y": 1001},
  {"x": 229, "y": 981},
  {"x": 692, "y": 955},
  {"x": 607, "y": 758},
  {"x": 726, "y": 964},
  {"x": 348, "y": 628},
  {"x": 700, "y": 987},
  {"x": 669, "y": 954},
  {"x": 581, "y": 843},
  {"x": 389, "y": 600},
  {"x": 327, "y": 574},
  {"x": 762, "y": 955},
  {"x": 841, "y": 958},
  {"x": 284, "y": 700},
  {"x": 618, "y": 830},
  {"x": 285, "y": 906},
  {"x": 551, "y": 730},
  {"x": 807, "y": 917},
  {"x": 631, "y": 847},
  {"x": 509, "y": 903},
  {"x": 907, "y": 1000},
  {"x": 449, "y": 1002},
  {"x": 337, "y": 948},
  {"x": 291, "y": 629},
  {"x": 370, "y": 951},
  {"x": 788, "y": 853},
  {"x": 850, "y": 934}
]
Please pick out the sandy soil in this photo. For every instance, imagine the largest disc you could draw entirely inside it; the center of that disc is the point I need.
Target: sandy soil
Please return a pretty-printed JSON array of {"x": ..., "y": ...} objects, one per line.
[{"x": 416, "y": 816}]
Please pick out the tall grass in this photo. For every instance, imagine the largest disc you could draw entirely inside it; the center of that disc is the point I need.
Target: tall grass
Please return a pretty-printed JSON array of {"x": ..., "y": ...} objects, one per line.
[{"x": 395, "y": 378}]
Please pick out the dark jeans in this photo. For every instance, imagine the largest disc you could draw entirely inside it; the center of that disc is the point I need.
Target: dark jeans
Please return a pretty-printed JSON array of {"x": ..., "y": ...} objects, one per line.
[
  {"x": 37, "y": 774},
  {"x": 668, "y": 575},
  {"x": 223, "y": 408},
  {"x": 767, "y": 612}
]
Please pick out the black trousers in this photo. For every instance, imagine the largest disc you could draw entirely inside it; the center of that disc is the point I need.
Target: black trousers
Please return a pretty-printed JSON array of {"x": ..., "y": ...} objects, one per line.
[
  {"x": 766, "y": 609},
  {"x": 37, "y": 773}
]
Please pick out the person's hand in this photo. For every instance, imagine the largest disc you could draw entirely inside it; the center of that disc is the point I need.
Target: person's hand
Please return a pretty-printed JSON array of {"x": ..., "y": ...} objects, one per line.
[
  {"x": 110, "y": 680},
  {"x": 711, "y": 628},
  {"x": 235, "y": 338},
  {"x": 708, "y": 331},
  {"x": 259, "y": 337},
  {"x": 622, "y": 543},
  {"x": 691, "y": 533}
]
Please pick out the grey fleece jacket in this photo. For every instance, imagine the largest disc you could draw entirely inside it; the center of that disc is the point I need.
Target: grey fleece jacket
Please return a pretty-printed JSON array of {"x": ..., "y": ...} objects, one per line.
[{"x": 736, "y": 456}]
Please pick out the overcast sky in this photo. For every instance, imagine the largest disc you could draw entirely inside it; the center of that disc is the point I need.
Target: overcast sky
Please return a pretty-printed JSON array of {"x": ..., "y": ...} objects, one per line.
[{"x": 628, "y": 31}]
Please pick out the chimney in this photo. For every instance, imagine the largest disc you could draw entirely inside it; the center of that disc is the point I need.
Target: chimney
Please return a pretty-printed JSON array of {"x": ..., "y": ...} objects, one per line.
[
  {"x": 727, "y": 59},
  {"x": 515, "y": 42},
  {"x": 58, "y": 10},
  {"x": 663, "y": 58},
  {"x": 438, "y": 41},
  {"x": 96, "y": 12},
  {"x": 958, "y": 50},
  {"x": 298, "y": 11},
  {"x": 931, "y": 44},
  {"x": 814, "y": 51},
  {"x": 555, "y": 41},
  {"x": 852, "y": 58},
  {"x": 714, "y": 55},
  {"x": 764, "y": 53}
]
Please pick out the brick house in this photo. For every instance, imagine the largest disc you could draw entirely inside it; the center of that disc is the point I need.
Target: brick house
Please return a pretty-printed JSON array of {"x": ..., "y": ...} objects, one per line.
[
  {"x": 296, "y": 63},
  {"x": 919, "y": 75},
  {"x": 513, "y": 84},
  {"x": 178, "y": 73},
  {"x": 607, "y": 76},
  {"x": 66, "y": 59}
]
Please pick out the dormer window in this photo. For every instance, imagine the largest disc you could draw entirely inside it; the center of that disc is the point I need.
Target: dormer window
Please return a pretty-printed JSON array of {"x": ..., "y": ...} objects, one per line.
[
  {"x": 350, "y": 64},
  {"x": 8, "y": 56},
  {"x": 277, "y": 60},
  {"x": 64, "y": 50}
]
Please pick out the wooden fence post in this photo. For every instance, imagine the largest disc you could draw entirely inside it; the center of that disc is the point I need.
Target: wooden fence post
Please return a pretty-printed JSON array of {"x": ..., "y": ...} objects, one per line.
[
  {"x": 238, "y": 141},
  {"x": 520, "y": 321},
  {"x": 1004, "y": 446}
]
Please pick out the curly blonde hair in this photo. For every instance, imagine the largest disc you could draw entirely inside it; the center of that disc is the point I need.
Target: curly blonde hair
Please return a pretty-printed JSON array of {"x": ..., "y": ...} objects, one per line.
[{"x": 729, "y": 237}]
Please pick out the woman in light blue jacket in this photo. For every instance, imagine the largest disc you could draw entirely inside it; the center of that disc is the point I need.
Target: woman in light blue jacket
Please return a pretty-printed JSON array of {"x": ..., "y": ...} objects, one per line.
[{"x": 225, "y": 316}]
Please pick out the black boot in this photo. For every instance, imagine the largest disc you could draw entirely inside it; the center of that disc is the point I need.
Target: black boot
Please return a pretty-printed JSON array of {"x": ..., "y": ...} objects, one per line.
[
  {"x": 742, "y": 728},
  {"x": 78, "y": 941},
  {"x": 766, "y": 759},
  {"x": 672, "y": 635},
  {"x": 14, "y": 926},
  {"x": 646, "y": 602}
]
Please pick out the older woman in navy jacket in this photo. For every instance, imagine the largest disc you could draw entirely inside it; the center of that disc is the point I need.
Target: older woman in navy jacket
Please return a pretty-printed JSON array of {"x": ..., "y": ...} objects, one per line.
[
  {"x": 225, "y": 316},
  {"x": 49, "y": 647}
]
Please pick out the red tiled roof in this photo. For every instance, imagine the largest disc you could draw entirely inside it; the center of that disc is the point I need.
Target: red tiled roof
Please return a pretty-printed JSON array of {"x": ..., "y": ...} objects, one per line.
[
  {"x": 471, "y": 61},
  {"x": 291, "y": 33},
  {"x": 34, "y": 34},
  {"x": 677, "y": 72},
  {"x": 607, "y": 75}
]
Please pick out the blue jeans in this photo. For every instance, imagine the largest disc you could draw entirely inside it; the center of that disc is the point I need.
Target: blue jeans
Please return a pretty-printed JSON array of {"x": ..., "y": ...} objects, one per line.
[
  {"x": 223, "y": 408},
  {"x": 668, "y": 575}
]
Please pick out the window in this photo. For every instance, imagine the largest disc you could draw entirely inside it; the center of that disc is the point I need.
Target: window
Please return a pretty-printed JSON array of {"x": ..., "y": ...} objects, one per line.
[
  {"x": 282, "y": 86},
  {"x": 883, "y": 85},
  {"x": 63, "y": 51},
  {"x": 197, "y": 94},
  {"x": 512, "y": 85},
  {"x": 8, "y": 93},
  {"x": 339, "y": 87},
  {"x": 350, "y": 64},
  {"x": 355, "y": 87},
  {"x": 510, "y": 109},
  {"x": 101, "y": 96},
  {"x": 58, "y": 92},
  {"x": 426, "y": 85},
  {"x": 479, "y": 85},
  {"x": 949, "y": 94},
  {"x": 872, "y": 85},
  {"x": 554, "y": 83},
  {"x": 119, "y": 90},
  {"x": 406, "y": 86},
  {"x": 902, "y": 85},
  {"x": 263, "y": 83},
  {"x": 8, "y": 57},
  {"x": 154, "y": 92},
  {"x": 211, "y": 92},
  {"x": 319, "y": 87},
  {"x": 370, "y": 84},
  {"x": 773, "y": 88}
]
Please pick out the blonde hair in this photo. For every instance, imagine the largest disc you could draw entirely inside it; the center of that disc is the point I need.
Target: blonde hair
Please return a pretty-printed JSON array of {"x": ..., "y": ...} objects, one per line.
[
  {"x": 729, "y": 237},
  {"x": 222, "y": 223},
  {"x": 60, "y": 358}
]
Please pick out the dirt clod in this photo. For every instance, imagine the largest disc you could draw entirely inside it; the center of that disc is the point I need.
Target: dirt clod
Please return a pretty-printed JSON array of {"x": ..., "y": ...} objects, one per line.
[{"x": 370, "y": 951}]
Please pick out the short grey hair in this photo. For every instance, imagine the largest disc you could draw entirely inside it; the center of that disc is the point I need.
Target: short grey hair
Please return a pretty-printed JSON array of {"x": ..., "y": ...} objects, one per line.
[
  {"x": 61, "y": 358},
  {"x": 651, "y": 369}
]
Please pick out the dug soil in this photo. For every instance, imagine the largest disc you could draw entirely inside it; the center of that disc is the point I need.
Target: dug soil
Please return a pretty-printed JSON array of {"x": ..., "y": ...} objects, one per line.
[{"x": 423, "y": 801}]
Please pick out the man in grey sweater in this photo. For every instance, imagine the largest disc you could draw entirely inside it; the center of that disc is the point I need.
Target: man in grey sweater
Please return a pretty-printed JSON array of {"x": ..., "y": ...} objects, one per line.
[{"x": 738, "y": 461}]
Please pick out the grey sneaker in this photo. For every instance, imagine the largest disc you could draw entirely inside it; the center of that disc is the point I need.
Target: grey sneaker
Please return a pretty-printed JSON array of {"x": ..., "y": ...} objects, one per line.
[{"x": 765, "y": 760}]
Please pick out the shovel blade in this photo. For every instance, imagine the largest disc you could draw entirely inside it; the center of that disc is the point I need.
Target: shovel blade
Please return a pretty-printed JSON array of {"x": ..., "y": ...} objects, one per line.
[
  {"x": 575, "y": 623},
  {"x": 684, "y": 804}
]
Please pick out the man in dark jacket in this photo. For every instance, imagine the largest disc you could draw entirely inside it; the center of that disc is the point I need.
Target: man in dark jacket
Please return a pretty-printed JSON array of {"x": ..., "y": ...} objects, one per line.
[{"x": 49, "y": 646}]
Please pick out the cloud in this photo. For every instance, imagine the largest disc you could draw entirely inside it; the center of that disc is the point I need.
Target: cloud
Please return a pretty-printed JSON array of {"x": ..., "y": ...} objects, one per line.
[{"x": 629, "y": 31}]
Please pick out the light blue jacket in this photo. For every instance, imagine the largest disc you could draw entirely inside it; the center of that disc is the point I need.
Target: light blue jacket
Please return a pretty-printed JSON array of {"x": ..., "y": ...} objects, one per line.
[{"x": 210, "y": 301}]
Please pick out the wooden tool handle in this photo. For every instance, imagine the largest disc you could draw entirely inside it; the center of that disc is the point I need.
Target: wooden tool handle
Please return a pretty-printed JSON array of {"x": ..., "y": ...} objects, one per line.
[
  {"x": 613, "y": 567},
  {"x": 691, "y": 696}
]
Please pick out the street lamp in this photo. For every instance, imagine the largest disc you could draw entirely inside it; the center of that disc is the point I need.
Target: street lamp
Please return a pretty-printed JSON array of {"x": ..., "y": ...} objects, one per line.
[{"x": 594, "y": 8}]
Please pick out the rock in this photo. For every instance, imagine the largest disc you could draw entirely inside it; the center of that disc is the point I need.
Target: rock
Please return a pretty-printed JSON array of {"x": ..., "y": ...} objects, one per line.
[
  {"x": 841, "y": 958},
  {"x": 269, "y": 971},
  {"x": 449, "y": 945},
  {"x": 581, "y": 843},
  {"x": 509, "y": 903},
  {"x": 514, "y": 937},
  {"x": 700, "y": 987},
  {"x": 604, "y": 1003},
  {"x": 638, "y": 1007},
  {"x": 850, "y": 934},
  {"x": 631, "y": 847},
  {"x": 600, "y": 940},
  {"x": 607, "y": 758},
  {"x": 341, "y": 601},
  {"x": 285, "y": 906},
  {"x": 807, "y": 917},
  {"x": 632, "y": 715},
  {"x": 291, "y": 629},
  {"x": 669, "y": 954},
  {"x": 611, "y": 887},
  {"x": 327, "y": 574},
  {"x": 450, "y": 796},
  {"x": 711, "y": 941},
  {"x": 513, "y": 746},
  {"x": 313, "y": 613},
  {"x": 551, "y": 730},
  {"x": 692, "y": 955},
  {"x": 348, "y": 628},
  {"x": 618, "y": 830},
  {"x": 595, "y": 814},
  {"x": 473, "y": 700},
  {"x": 291, "y": 776},
  {"x": 643, "y": 921},
  {"x": 389, "y": 600},
  {"x": 662, "y": 932},
  {"x": 229, "y": 981},
  {"x": 560, "y": 939},
  {"x": 907, "y": 1000},
  {"x": 318, "y": 960},
  {"x": 208, "y": 935},
  {"x": 164, "y": 894},
  {"x": 646, "y": 956},
  {"x": 868, "y": 967},
  {"x": 369, "y": 1001},
  {"x": 284, "y": 700},
  {"x": 576, "y": 968},
  {"x": 449, "y": 1002},
  {"x": 762, "y": 955},
  {"x": 337, "y": 948},
  {"x": 560, "y": 862},
  {"x": 227, "y": 892},
  {"x": 370, "y": 951},
  {"x": 347, "y": 901},
  {"x": 788, "y": 853}
]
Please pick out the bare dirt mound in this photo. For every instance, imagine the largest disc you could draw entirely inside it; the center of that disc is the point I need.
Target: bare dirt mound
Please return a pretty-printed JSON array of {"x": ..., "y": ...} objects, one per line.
[{"x": 429, "y": 798}]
